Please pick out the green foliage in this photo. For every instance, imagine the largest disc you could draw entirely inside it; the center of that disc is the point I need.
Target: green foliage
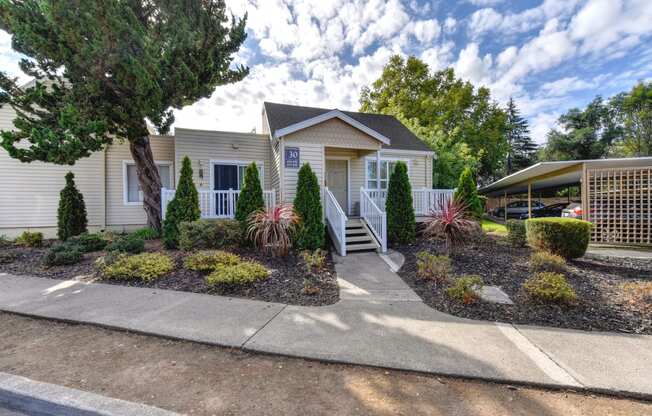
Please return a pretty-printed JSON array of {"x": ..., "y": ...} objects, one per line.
[
  {"x": 635, "y": 115},
  {"x": 467, "y": 194},
  {"x": 184, "y": 207},
  {"x": 4, "y": 241},
  {"x": 433, "y": 267},
  {"x": 63, "y": 254},
  {"x": 314, "y": 259},
  {"x": 71, "y": 216},
  {"x": 145, "y": 267},
  {"x": 489, "y": 226},
  {"x": 516, "y": 232},
  {"x": 209, "y": 234},
  {"x": 271, "y": 230},
  {"x": 147, "y": 233},
  {"x": 566, "y": 237},
  {"x": 550, "y": 287},
  {"x": 522, "y": 151},
  {"x": 310, "y": 234},
  {"x": 127, "y": 244},
  {"x": 30, "y": 239},
  {"x": 89, "y": 242},
  {"x": 7, "y": 257},
  {"x": 542, "y": 261},
  {"x": 464, "y": 289},
  {"x": 207, "y": 261},
  {"x": 238, "y": 274},
  {"x": 401, "y": 223},
  {"x": 251, "y": 197}
]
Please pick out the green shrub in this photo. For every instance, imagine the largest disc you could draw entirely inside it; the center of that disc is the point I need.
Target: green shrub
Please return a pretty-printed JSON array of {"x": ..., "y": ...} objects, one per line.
[
  {"x": 145, "y": 266},
  {"x": 433, "y": 267},
  {"x": 314, "y": 259},
  {"x": 542, "y": 261},
  {"x": 184, "y": 207},
  {"x": 206, "y": 261},
  {"x": 127, "y": 244},
  {"x": 7, "y": 257},
  {"x": 566, "y": 237},
  {"x": 147, "y": 233},
  {"x": 209, "y": 234},
  {"x": 401, "y": 223},
  {"x": 89, "y": 242},
  {"x": 63, "y": 254},
  {"x": 464, "y": 289},
  {"x": 516, "y": 233},
  {"x": 250, "y": 199},
  {"x": 4, "y": 241},
  {"x": 71, "y": 215},
  {"x": 242, "y": 273},
  {"x": 310, "y": 234},
  {"x": 467, "y": 193},
  {"x": 30, "y": 239},
  {"x": 550, "y": 287}
]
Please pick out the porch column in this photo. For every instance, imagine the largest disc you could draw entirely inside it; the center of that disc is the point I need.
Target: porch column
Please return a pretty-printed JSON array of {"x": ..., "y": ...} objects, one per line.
[
  {"x": 505, "y": 206},
  {"x": 529, "y": 199},
  {"x": 378, "y": 178}
]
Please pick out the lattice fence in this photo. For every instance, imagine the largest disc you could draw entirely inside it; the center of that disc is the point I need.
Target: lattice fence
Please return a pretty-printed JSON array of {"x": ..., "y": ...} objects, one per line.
[{"x": 620, "y": 205}]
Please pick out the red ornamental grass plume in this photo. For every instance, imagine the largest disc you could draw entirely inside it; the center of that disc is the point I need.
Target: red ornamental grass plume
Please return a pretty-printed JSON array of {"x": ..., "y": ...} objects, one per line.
[
  {"x": 451, "y": 223},
  {"x": 270, "y": 230}
]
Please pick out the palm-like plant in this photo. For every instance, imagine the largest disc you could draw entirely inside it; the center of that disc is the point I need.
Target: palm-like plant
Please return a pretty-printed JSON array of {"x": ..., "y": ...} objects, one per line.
[
  {"x": 271, "y": 230},
  {"x": 451, "y": 223}
]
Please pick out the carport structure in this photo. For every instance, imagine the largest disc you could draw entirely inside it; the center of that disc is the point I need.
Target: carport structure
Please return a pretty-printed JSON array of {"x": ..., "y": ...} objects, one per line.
[{"x": 616, "y": 194}]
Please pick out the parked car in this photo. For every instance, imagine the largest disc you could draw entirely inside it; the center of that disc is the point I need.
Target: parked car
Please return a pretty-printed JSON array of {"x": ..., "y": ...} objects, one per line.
[
  {"x": 516, "y": 209},
  {"x": 573, "y": 210},
  {"x": 552, "y": 210}
]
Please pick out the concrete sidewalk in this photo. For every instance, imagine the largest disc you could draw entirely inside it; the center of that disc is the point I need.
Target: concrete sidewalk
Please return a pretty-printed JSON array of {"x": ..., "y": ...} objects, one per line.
[{"x": 378, "y": 322}]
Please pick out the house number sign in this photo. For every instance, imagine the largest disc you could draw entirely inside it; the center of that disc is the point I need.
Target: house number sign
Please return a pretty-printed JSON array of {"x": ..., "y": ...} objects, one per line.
[{"x": 292, "y": 157}]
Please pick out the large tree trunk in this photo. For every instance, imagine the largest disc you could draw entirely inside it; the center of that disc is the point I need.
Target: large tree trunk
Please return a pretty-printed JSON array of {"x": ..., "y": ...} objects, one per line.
[{"x": 149, "y": 179}]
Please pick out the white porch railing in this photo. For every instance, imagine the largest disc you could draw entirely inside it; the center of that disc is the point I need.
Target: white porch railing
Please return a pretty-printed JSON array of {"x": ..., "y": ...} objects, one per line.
[
  {"x": 216, "y": 204},
  {"x": 336, "y": 221},
  {"x": 375, "y": 218},
  {"x": 424, "y": 200}
]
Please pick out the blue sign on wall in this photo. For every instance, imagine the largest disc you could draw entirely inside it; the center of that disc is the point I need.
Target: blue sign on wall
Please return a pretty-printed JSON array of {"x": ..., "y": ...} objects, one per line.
[{"x": 292, "y": 157}]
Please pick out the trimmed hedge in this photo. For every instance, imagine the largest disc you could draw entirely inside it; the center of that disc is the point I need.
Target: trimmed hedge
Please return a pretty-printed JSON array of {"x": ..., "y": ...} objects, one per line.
[
  {"x": 401, "y": 223},
  {"x": 208, "y": 234},
  {"x": 516, "y": 232},
  {"x": 566, "y": 237},
  {"x": 127, "y": 244}
]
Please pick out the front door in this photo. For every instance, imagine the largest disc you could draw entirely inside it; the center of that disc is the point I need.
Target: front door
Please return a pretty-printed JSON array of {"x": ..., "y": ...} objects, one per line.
[
  {"x": 225, "y": 177},
  {"x": 337, "y": 181}
]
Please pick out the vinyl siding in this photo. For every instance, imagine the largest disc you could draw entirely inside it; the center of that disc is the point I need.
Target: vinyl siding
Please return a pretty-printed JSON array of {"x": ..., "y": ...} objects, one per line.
[
  {"x": 310, "y": 153},
  {"x": 336, "y": 133}
]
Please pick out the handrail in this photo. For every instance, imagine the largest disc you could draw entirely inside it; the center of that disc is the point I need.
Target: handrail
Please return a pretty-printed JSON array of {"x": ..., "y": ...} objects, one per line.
[
  {"x": 424, "y": 200},
  {"x": 336, "y": 219},
  {"x": 216, "y": 203},
  {"x": 374, "y": 217}
]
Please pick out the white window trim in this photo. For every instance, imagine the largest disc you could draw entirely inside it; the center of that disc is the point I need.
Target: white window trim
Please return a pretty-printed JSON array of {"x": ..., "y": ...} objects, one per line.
[
  {"x": 245, "y": 163},
  {"x": 408, "y": 162},
  {"x": 348, "y": 179},
  {"x": 125, "y": 187}
]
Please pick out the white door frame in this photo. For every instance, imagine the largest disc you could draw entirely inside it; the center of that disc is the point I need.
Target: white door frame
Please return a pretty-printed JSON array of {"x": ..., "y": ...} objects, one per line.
[{"x": 348, "y": 178}]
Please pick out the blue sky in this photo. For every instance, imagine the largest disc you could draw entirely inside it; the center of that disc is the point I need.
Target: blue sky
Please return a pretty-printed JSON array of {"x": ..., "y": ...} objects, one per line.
[{"x": 550, "y": 55}]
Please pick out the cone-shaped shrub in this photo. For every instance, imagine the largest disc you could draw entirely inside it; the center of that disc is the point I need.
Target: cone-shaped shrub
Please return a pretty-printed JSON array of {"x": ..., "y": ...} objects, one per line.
[
  {"x": 71, "y": 216},
  {"x": 183, "y": 207},
  {"x": 467, "y": 193},
  {"x": 401, "y": 224},
  {"x": 307, "y": 203},
  {"x": 251, "y": 197}
]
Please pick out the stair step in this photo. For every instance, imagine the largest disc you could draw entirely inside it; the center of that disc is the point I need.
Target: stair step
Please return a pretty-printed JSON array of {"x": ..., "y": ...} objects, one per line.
[
  {"x": 358, "y": 238},
  {"x": 356, "y": 231},
  {"x": 357, "y": 247}
]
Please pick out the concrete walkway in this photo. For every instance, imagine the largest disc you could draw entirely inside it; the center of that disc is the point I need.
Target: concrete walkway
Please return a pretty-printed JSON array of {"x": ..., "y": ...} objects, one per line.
[{"x": 379, "y": 321}]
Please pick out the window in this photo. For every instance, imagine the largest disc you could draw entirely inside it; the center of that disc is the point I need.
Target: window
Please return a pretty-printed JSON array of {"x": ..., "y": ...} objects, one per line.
[
  {"x": 132, "y": 192},
  {"x": 230, "y": 175},
  {"x": 386, "y": 169}
]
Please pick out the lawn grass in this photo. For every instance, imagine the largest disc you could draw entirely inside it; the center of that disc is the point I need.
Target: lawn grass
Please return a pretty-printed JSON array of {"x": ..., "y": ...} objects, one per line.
[{"x": 489, "y": 226}]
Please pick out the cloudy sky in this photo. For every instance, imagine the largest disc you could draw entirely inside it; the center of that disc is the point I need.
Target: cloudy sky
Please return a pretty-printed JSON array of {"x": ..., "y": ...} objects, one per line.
[{"x": 550, "y": 55}]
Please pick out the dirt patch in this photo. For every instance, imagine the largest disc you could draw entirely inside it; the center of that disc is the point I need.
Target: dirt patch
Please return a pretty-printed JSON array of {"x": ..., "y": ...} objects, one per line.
[
  {"x": 203, "y": 380},
  {"x": 600, "y": 285}
]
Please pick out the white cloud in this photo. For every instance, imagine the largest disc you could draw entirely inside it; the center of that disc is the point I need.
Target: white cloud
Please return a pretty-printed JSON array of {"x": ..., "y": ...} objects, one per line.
[
  {"x": 471, "y": 66},
  {"x": 565, "y": 85},
  {"x": 426, "y": 31},
  {"x": 438, "y": 57},
  {"x": 483, "y": 3},
  {"x": 450, "y": 24},
  {"x": 541, "y": 124}
]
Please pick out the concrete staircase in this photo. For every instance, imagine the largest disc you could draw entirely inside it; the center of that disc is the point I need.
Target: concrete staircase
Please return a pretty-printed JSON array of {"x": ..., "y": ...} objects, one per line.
[{"x": 359, "y": 237}]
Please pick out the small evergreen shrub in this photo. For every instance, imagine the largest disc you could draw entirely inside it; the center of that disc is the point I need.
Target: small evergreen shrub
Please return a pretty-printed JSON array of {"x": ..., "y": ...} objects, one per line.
[
  {"x": 89, "y": 242},
  {"x": 63, "y": 254},
  {"x": 566, "y": 237},
  {"x": 516, "y": 233},
  {"x": 145, "y": 267},
  {"x": 30, "y": 239},
  {"x": 467, "y": 193},
  {"x": 207, "y": 261},
  {"x": 4, "y": 241},
  {"x": 542, "y": 261},
  {"x": 127, "y": 244},
  {"x": 401, "y": 223},
  {"x": 184, "y": 207},
  {"x": 310, "y": 234},
  {"x": 238, "y": 274},
  {"x": 147, "y": 233},
  {"x": 250, "y": 199},
  {"x": 550, "y": 287},
  {"x": 71, "y": 216},
  {"x": 433, "y": 267},
  {"x": 464, "y": 289},
  {"x": 7, "y": 257},
  {"x": 209, "y": 234},
  {"x": 314, "y": 259}
]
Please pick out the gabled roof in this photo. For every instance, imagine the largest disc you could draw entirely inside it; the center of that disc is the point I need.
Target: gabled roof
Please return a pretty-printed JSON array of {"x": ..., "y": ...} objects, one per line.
[{"x": 284, "y": 119}]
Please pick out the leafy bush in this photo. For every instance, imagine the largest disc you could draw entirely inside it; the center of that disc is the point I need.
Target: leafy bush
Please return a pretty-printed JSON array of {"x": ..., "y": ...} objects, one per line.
[
  {"x": 516, "y": 232},
  {"x": 184, "y": 207},
  {"x": 146, "y": 233},
  {"x": 145, "y": 266},
  {"x": 209, "y": 234},
  {"x": 550, "y": 287},
  {"x": 401, "y": 224},
  {"x": 271, "y": 230},
  {"x": 433, "y": 267},
  {"x": 314, "y": 259},
  {"x": 4, "y": 241},
  {"x": 7, "y": 257},
  {"x": 566, "y": 237},
  {"x": 89, "y": 242},
  {"x": 542, "y": 261},
  {"x": 251, "y": 197},
  {"x": 451, "y": 223},
  {"x": 127, "y": 244},
  {"x": 71, "y": 215},
  {"x": 464, "y": 289},
  {"x": 238, "y": 274},
  {"x": 467, "y": 194},
  {"x": 63, "y": 254},
  {"x": 310, "y": 233},
  {"x": 29, "y": 239},
  {"x": 206, "y": 261}
]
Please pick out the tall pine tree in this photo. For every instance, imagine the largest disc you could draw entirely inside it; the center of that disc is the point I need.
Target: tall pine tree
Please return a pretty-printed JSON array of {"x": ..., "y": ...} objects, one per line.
[{"x": 522, "y": 149}]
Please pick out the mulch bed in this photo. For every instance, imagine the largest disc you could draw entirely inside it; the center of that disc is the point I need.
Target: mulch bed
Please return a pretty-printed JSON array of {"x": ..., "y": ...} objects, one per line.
[
  {"x": 602, "y": 301},
  {"x": 284, "y": 285}
]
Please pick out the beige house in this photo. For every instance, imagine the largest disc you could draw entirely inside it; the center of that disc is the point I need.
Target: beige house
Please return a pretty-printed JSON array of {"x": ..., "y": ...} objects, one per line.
[{"x": 352, "y": 155}]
